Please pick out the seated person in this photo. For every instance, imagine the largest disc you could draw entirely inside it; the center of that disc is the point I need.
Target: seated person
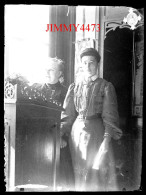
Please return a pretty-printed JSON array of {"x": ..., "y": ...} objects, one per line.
[{"x": 52, "y": 88}]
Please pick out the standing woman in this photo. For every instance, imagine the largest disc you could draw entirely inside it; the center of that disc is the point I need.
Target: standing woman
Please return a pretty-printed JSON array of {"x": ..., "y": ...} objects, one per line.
[{"x": 91, "y": 120}]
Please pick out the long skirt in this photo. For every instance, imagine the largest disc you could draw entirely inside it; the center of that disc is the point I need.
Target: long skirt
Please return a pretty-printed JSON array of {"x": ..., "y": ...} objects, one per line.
[{"x": 85, "y": 140}]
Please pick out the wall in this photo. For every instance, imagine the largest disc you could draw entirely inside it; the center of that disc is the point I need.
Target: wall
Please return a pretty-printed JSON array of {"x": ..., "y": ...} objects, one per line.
[{"x": 61, "y": 42}]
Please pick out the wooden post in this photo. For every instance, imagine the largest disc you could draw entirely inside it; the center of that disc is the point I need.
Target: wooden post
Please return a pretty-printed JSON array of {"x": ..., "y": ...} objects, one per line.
[
  {"x": 10, "y": 109},
  {"x": 56, "y": 156},
  {"x": 101, "y": 39}
]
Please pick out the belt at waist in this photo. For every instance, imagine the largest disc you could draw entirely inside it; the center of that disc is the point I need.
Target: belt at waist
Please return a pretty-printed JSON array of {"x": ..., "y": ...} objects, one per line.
[{"x": 98, "y": 115}]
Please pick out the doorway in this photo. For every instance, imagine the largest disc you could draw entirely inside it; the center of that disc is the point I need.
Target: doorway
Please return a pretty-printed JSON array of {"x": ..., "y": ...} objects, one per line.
[
  {"x": 118, "y": 70},
  {"x": 118, "y": 56}
]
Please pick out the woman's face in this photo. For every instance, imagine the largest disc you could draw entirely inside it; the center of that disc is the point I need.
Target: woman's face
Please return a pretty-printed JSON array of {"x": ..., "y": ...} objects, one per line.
[
  {"x": 89, "y": 65},
  {"x": 53, "y": 73}
]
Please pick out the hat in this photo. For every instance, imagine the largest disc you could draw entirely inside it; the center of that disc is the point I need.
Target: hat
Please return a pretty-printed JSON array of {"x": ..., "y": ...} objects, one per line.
[{"x": 90, "y": 52}]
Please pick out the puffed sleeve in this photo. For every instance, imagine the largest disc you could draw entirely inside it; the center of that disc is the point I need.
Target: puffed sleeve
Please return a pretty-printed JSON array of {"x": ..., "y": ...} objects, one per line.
[
  {"x": 110, "y": 112},
  {"x": 69, "y": 114}
]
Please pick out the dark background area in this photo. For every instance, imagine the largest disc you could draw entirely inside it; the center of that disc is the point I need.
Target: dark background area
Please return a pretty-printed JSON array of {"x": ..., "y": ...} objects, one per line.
[
  {"x": 118, "y": 53},
  {"x": 118, "y": 68}
]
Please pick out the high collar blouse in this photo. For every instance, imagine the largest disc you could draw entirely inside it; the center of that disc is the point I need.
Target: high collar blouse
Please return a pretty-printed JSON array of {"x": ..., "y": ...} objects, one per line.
[{"x": 88, "y": 98}]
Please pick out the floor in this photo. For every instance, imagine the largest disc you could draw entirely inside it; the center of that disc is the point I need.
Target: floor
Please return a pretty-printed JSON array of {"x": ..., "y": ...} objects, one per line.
[{"x": 128, "y": 164}]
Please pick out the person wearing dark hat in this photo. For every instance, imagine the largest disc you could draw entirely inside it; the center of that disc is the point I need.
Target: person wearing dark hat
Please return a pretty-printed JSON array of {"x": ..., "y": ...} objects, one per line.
[{"x": 91, "y": 120}]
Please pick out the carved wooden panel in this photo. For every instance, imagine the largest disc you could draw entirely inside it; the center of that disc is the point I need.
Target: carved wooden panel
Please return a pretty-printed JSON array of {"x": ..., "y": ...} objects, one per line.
[{"x": 32, "y": 141}]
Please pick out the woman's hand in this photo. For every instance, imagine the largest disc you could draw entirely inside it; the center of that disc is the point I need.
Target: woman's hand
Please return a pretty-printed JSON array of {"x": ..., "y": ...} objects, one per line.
[
  {"x": 99, "y": 157},
  {"x": 104, "y": 145},
  {"x": 63, "y": 143}
]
